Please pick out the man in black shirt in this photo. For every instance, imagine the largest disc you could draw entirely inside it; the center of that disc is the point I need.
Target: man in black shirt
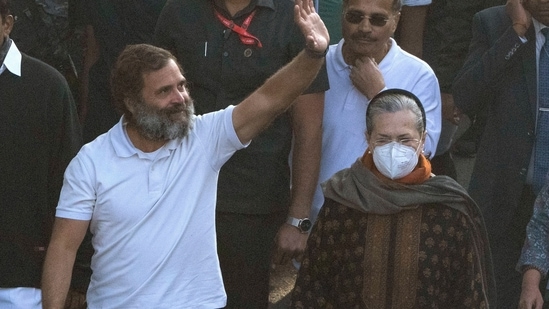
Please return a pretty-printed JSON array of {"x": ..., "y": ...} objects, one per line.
[{"x": 223, "y": 67}]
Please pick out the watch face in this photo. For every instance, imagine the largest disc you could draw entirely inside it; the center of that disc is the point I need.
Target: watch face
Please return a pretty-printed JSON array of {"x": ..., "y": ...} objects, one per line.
[{"x": 306, "y": 225}]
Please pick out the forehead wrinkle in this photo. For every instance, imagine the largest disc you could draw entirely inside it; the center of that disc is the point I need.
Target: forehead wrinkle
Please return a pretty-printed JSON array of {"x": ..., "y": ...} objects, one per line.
[
  {"x": 375, "y": 6},
  {"x": 168, "y": 76}
]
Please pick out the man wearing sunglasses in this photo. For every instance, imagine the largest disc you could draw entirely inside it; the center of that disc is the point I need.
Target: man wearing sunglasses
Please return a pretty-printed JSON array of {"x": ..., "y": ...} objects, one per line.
[{"x": 366, "y": 61}]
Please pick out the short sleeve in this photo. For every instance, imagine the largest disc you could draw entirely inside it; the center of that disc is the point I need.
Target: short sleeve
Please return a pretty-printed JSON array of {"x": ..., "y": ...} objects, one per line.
[{"x": 77, "y": 197}]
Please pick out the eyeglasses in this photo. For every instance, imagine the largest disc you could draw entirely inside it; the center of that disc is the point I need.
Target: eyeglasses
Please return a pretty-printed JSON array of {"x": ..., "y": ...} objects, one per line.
[
  {"x": 355, "y": 17},
  {"x": 410, "y": 142}
]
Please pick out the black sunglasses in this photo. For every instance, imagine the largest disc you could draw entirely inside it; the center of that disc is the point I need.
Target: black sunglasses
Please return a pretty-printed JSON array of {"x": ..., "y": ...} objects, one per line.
[{"x": 355, "y": 18}]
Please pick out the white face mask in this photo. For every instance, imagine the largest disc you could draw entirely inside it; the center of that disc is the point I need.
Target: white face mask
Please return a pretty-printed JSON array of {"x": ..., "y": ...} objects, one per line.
[{"x": 395, "y": 160}]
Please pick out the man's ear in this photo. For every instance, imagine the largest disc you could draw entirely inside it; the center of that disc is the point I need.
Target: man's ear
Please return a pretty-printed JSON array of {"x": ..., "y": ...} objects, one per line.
[
  {"x": 397, "y": 19},
  {"x": 8, "y": 25},
  {"x": 129, "y": 105}
]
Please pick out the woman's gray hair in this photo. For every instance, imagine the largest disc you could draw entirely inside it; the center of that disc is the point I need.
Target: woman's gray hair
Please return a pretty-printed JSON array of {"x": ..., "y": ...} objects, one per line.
[{"x": 394, "y": 100}]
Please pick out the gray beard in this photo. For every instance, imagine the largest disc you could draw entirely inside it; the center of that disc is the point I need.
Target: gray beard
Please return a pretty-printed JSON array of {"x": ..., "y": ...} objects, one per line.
[{"x": 157, "y": 124}]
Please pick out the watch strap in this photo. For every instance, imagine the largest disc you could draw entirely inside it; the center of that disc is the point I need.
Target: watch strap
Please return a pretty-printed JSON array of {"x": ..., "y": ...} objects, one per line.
[
  {"x": 293, "y": 221},
  {"x": 298, "y": 223}
]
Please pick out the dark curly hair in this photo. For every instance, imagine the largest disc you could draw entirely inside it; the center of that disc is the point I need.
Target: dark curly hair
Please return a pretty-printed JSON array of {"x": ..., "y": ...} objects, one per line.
[{"x": 127, "y": 76}]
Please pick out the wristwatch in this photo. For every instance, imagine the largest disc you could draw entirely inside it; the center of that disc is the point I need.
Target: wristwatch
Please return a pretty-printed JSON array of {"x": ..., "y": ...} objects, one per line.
[{"x": 304, "y": 225}]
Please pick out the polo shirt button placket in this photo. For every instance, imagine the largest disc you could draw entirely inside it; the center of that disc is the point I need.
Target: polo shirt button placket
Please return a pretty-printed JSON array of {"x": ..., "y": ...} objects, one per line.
[{"x": 155, "y": 179}]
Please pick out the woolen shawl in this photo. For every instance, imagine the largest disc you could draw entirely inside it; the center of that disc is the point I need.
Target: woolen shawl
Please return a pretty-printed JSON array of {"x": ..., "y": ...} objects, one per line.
[{"x": 359, "y": 188}]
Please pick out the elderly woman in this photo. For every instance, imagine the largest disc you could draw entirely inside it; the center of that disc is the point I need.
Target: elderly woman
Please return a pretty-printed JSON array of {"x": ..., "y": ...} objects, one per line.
[{"x": 391, "y": 234}]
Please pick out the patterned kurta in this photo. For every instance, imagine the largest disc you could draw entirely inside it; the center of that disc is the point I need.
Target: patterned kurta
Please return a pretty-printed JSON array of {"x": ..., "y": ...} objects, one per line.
[{"x": 418, "y": 258}]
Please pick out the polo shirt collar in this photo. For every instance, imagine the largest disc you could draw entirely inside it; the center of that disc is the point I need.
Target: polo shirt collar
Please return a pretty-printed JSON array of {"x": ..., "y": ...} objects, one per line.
[
  {"x": 266, "y": 3},
  {"x": 339, "y": 62},
  {"x": 124, "y": 148},
  {"x": 341, "y": 65},
  {"x": 253, "y": 4},
  {"x": 12, "y": 62}
]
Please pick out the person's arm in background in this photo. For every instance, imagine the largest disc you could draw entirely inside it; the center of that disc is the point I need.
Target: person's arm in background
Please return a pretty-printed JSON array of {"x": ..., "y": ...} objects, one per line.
[
  {"x": 91, "y": 55},
  {"x": 274, "y": 97},
  {"x": 530, "y": 296},
  {"x": 66, "y": 238},
  {"x": 488, "y": 59},
  {"x": 81, "y": 17},
  {"x": 411, "y": 26},
  {"x": 533, "y": 261},
  {"x": 307, "y": 113}
]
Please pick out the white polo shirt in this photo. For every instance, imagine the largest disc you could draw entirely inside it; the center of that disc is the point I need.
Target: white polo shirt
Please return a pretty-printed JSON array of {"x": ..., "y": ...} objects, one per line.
[{"x": 152, "y": 216}]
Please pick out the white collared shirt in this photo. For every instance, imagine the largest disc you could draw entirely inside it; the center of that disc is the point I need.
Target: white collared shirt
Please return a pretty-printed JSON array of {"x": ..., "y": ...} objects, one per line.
[
  {"x": 12, "y": 62},
  {"x": 540, "y": 38}
]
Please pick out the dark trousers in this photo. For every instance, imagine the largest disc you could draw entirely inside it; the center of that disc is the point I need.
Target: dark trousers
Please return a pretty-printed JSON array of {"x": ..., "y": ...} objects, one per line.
[
  {"x": 506, "y": 253},
  {"x": 244, "y": 245}
]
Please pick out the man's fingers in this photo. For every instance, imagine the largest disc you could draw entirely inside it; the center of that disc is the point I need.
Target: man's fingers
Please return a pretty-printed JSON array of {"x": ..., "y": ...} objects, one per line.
[{"x": 303, "y": 8}]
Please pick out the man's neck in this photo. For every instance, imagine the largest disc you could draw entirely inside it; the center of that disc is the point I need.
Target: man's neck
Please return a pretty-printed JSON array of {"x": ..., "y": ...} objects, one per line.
[
  {"x": 235, "y": 6},
  {"x": 142, "y": 143},
  {"x": 4, "y": 48}
]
